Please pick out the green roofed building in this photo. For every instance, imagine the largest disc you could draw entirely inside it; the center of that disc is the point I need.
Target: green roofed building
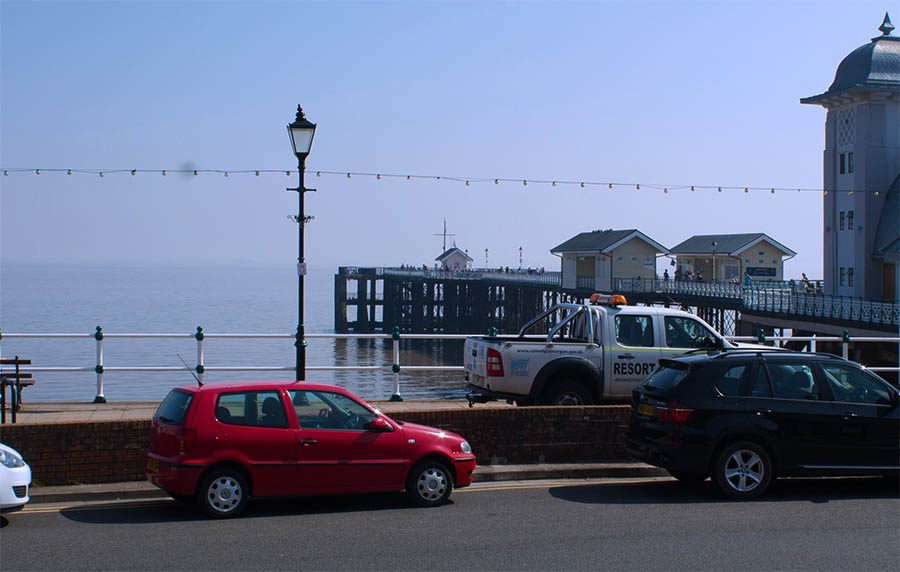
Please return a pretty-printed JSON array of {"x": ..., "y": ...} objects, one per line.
[
  {"x": 723, "y": 257},
  {"x": 594, "y": 260}
]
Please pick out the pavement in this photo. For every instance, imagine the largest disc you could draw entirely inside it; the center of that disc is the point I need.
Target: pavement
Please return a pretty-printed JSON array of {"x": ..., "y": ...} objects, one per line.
[{"x": 39, "y": 413}]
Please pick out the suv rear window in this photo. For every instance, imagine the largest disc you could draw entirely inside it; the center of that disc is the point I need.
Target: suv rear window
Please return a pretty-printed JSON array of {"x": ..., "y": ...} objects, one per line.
[
  {"x": 173, "y": 407},
  {"x": 666, "y": 377}
]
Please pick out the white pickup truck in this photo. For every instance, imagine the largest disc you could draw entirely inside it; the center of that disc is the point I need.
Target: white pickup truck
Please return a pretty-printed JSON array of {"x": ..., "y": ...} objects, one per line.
[{"x": 591, "y": 352}]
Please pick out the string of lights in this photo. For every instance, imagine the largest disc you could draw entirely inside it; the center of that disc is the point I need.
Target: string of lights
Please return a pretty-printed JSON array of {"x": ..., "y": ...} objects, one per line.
[{"x": 467, "y": 181}]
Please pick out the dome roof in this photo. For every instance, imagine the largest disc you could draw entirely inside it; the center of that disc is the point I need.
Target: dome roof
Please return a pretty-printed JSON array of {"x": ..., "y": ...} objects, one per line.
[{"x": 872, "y": 67}]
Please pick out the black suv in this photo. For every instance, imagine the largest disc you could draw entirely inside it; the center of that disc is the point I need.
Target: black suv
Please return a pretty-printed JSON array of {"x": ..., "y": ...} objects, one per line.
[{"x": 744, "y": 417}]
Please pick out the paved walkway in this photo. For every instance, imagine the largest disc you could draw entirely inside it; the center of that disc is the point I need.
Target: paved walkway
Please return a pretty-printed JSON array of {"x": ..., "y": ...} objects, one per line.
[{"x": 122, "y": 410}]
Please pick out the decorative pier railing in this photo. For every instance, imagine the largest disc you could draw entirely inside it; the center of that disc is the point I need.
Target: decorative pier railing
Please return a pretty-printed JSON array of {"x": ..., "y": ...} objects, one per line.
[{"x": 423, "y": 300}]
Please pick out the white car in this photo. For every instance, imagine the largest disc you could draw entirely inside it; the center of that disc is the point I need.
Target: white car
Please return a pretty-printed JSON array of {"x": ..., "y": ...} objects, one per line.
[{"x": 15, "y": 478}]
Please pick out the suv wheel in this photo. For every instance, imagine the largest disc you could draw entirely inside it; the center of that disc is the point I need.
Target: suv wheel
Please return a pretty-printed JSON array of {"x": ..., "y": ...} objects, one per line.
[
  {"x": 429, "y": 483},
  {"x": 223, "y": 493},
  {"x": 743, "y": 470},
  {"x": 568, "y": 393}
]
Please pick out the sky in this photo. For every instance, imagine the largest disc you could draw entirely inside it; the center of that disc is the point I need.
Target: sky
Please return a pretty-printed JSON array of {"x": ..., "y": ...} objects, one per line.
[{"x": 637, "y": 93}]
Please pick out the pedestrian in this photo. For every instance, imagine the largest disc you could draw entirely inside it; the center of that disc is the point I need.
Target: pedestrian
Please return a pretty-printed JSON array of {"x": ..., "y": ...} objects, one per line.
[
  {"x": 747, "y": 277},
  {"x": 666, "y": 274}
]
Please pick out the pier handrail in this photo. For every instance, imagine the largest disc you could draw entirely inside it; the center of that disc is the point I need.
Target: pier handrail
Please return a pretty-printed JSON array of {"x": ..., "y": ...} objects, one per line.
[
  {"x": 99, "y": 368},
  {"x": 776, "y": 297}
]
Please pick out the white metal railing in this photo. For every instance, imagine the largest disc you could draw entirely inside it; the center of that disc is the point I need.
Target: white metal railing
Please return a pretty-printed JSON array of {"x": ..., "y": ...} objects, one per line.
[{"x": 201, "y": 368}]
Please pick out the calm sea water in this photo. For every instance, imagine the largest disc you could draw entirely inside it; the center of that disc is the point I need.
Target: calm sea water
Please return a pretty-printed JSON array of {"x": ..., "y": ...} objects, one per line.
[{"x": 248, "y": 299}]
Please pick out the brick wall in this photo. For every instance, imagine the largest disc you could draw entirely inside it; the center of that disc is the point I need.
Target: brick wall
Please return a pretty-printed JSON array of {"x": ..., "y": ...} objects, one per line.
[{"x": 105, "y": 452}]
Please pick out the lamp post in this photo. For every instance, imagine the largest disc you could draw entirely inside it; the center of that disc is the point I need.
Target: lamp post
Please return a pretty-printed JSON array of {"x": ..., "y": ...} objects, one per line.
[
  {"x": 520, "y": 258},
  {"x": 485, "y": 258},
  {"x": 714, "y": 245},
  {"x": 301, "y": 132}
]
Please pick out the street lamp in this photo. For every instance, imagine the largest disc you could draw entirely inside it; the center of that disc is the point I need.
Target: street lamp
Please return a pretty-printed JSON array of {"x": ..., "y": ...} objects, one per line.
[
  {"x": 714, "y": 245},
  {"x": 301, "y": 132},
  {"x": 485, "y": 258},
  {"x": 520, "y": 258}
]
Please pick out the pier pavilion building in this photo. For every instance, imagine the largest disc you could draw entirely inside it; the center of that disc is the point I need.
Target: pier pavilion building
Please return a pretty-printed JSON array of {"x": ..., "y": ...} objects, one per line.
[
  {"x": 594, "y": 260},
  {"x": 861, "y": 170},
  {"x": 455, "y": 259},
  {"x": 723, "y": 257}
]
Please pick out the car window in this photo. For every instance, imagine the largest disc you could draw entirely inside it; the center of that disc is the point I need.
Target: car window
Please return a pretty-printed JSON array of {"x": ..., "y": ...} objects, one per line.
[
  {"x": 635, "y": 331},
  {"x": 253, "y": 408},
  {"x": 329, "y": 410},
  {"x": 761, "y": 385},
  {"x": 794, "y": 381},
  {"x": 666, "y": 377},
  {"x": 682, "y": 332},
  {"x": 729, "y": 382},
  {"x": 173, "y": 408},
  {"x": 855, "y": 385}
]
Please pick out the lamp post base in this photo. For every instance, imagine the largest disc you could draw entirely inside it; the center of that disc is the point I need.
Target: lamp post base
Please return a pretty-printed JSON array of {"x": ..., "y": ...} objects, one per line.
[{"x": 395, "y": 397}]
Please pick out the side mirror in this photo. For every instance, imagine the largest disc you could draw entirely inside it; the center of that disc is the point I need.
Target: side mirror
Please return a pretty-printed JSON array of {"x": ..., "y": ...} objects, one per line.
[{"x": 379, "y": 425}]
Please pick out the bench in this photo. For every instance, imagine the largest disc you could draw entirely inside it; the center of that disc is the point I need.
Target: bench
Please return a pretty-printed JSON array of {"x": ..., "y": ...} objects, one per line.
[{"x": 16, "y": 381}]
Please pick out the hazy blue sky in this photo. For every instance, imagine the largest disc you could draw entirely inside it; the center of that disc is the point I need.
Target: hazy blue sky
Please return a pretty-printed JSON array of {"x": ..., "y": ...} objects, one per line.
[{"x": 703, "y": 93}]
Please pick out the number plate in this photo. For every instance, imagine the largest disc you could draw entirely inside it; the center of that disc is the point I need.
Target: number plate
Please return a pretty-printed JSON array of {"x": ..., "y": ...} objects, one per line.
[
  {"x": 644, "y": 409},
  {"x": 153, "y": 465}
]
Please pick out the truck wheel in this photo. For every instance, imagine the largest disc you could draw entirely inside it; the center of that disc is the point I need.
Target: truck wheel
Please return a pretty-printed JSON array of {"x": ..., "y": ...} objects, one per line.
[{"x": 568, "y": 393}]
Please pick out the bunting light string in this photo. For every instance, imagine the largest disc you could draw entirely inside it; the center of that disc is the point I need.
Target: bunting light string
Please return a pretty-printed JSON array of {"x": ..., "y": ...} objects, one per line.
[{"x": 466, "y": 181}]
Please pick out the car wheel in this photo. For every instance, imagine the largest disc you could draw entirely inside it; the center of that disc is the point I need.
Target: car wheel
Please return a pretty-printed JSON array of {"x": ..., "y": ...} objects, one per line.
[
  {"x": 743, "y": 470},
  {"x": 686, "y": 477},
  {"x": 223, "y": 493},
  {"x": 429, "y": 483},
  {"x": 568, "y": 393}
]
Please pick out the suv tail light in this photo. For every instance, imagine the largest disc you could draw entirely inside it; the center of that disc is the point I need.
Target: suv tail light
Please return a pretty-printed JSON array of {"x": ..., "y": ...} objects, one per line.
[
  {"x": 186, "y": 439},
  {"x": 494, "y": 363},
  {"x": 673, "y": 412}
]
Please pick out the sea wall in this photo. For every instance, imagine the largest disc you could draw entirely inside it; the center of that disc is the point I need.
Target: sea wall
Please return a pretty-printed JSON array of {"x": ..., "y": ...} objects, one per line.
[{"x": 104, "y": 452}]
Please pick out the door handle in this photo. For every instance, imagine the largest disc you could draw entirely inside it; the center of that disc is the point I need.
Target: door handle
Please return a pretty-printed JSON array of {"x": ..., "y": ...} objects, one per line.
[
  {"x": 307, "y": 442},
  {"x": 626, "y": 356},
  {"x": 763, "y": 411},
  {"x": 849, "y": 416}
]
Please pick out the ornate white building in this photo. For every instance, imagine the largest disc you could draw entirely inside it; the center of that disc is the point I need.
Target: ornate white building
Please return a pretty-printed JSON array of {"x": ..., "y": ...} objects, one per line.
[{"x": 861, "y": 165}]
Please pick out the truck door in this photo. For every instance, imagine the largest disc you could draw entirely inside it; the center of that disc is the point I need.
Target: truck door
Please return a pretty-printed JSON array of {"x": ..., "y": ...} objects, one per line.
[
  {"x": 684, "y": 333},
  {"x": 634, "y": 351}
]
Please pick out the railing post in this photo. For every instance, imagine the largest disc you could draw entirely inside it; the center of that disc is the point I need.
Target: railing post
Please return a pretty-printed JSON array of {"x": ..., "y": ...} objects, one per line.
[
  {"x": 98, "y": 335},
  {"x": 845, "y": 345},
  {"x": 200, "y": 367},
  {"x": 395, "y": 337}
]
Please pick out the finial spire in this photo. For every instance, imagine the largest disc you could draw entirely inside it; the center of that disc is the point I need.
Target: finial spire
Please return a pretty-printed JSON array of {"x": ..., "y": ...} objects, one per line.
[
  {"x": 301, "y": 117},
  {"x": 886, "y": 27}
]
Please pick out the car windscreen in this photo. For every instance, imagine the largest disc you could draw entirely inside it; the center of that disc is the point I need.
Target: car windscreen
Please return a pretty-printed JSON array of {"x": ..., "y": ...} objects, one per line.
[
  {"x": 666, "y": 377},
  {"x": 173, "y": 407}
]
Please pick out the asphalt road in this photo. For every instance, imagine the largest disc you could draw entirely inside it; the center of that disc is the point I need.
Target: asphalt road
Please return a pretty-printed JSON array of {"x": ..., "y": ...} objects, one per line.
[{"x": 651, "y": 524}]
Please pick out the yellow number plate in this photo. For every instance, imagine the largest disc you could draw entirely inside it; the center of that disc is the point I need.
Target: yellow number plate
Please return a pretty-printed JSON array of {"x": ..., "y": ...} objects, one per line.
[
  {"x": 153, "y": 465},
  {"x": 644, "y": 409}
]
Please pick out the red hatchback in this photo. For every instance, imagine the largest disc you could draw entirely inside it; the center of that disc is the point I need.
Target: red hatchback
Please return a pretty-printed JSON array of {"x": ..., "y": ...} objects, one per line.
[{"x": 222, "y": 444}]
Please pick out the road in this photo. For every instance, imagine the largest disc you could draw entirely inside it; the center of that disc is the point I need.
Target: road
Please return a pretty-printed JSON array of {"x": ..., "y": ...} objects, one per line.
[{"x": 648, "y": 524}]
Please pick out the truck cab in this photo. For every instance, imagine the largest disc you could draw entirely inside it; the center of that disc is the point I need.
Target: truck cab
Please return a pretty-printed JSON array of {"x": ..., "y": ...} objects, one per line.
[{"x": 591, "y": 352}]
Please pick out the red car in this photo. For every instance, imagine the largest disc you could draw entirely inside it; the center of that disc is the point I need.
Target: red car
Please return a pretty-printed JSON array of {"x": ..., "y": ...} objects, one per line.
[{"x": 224, "y": 443}]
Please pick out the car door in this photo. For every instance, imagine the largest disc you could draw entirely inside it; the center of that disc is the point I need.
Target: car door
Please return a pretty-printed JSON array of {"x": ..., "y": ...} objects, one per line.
[
  {"x": 336, "y": 451},
  {"x": 634, "y": 352},
  {"x": 794, "y": 411},
  {"x": 867, "y": 431},
  {"x": 252, "y": 427}
]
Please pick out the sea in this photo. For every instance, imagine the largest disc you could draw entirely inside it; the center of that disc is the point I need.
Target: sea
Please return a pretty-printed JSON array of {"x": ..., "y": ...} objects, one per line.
[{"x": 164, "y": 299}]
